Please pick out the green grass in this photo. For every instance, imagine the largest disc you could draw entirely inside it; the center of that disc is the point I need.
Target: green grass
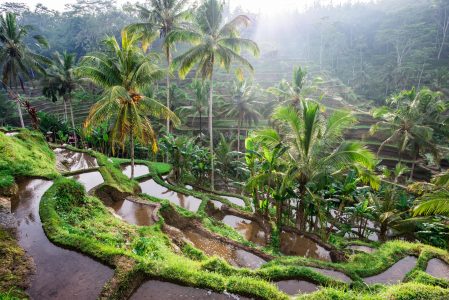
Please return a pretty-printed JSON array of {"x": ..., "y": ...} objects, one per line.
[
  {"x": 14, "y": 267},
  {"x": 82, "y": 222},
  {"x": 25, "y": 154},
  {"x": 78, "y": 221},
  {"x": 406, "y": 291}
]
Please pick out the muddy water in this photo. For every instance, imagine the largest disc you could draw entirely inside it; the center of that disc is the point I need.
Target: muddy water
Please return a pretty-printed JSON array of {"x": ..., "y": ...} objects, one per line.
[
  {"x": 217, "y": 204},
  {"x": 395, "y": 273},
  {"x": 235, "y": 200},
  {"x": 333, "y": 274},
  {"x": 438, "y": 268},
  {"x": 139, "y": 170},
  {"x": 134, "y": 213},
  {"x": 89, "y": 179},
  {"x": 11, "y": 133},
  {"x": 295, "y": 287},
  {"x": 360, "y": 248},
  {"x": 60, "y": 273},
  {"x": 157, "y": 290},
  {"x": 251, "y": 231},
  {"x": 151, "y": 188},
  {"x": 293, "y": 244},
  {"x": 74, "y": 161},
  {"x": 235, "y": 257}
]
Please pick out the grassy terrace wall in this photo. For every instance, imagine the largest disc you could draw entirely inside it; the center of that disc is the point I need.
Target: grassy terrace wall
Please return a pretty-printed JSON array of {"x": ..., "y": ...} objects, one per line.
[
  {"x": 75, "y": 220},
  {"x": 23, "y": 155},
  {"x": 81, "y": 222}
]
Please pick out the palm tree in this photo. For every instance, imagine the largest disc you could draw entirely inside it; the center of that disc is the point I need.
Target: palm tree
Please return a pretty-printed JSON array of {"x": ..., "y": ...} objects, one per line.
[
  {"x": 19, "y": 62},
  {"x": 60, "y": 81},
  {"x": 163, "y": 17},
  {"x": 291, "y": 92},
  {"x": 243, "y": 107},
  {"x": 409, "y": 121},
  {"x": 316, "y": 147},
  {"x": 435, "y": 202},
  {"x": 198, "y": 103},
  {"x": 214, "y": 44},
  {"x": 124, "y": 71}
]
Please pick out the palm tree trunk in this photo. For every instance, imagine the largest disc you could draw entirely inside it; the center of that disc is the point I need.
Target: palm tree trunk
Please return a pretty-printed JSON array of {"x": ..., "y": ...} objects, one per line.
[
  {"x": 414, "y": 162},
  {"x": 211, "y": 134},
  {"x": 238, "y": 135},
  {"x": 168, "y": 85},
  {"x": 20, "y": 114},
  {"x": 69, "y": 100},
  {"x": 65, "y": 109},
  {"x": 301, "y": 210},
  {"x": 131, "y": 137},
  {"x": 201, "y": 124}
]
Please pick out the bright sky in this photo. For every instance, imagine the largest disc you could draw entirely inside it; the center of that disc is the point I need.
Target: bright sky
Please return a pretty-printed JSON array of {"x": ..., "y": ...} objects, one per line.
[{"x": 263, "y": 6}]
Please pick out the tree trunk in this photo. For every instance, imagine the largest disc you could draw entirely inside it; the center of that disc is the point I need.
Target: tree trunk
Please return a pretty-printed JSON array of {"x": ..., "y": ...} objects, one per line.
[
  {"x": 69, "y": 100},
  {"x": 414, "y": 162},
  {"x": 300, "y": 212},
  {"x": 168, "y": 85},
  {"x": 211, "y": 134},
  {"x": 279, "y": 213},
  {"x": 444, "y": 30},
  {"x": 201, "y": 124},
  {"x": 19, "y": 108},
  {"x": 383, "y": 232},
  {"x": 131, "y": 137},
  {"x": 238, "y": 135},
  {"x": 65, "y": 109}
]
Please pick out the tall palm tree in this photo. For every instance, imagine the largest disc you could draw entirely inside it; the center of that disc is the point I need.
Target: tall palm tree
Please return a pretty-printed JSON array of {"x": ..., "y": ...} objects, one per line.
[
  {"x": 163, "y": 17},
  {"x": 215, "y": 44},
  {"x": 409, "y": 121},
  {"x": 243, "y": 107},
  {"x": 124, "y": 71},
  {"x": 18, "y": 61},
  {"x": 316, "y": 147},
  {"x": 198, "y": 101},
  {"x": 60, "y": 81}
]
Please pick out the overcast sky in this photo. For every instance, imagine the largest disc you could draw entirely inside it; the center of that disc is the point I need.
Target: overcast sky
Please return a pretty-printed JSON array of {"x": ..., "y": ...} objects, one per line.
[{"x": 263, "y": 6}]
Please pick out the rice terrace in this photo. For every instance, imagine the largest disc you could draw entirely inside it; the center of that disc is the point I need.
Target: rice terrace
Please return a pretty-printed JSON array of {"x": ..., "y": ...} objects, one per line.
[{"x": 209, "y": 149}]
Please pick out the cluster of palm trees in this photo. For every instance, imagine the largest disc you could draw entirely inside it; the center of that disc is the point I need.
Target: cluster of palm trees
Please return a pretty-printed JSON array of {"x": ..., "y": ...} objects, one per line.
[
  {"x": 288, "y": 162},
  {"x": 413, "y": 121},
  {"x": 126, "y": 71}
]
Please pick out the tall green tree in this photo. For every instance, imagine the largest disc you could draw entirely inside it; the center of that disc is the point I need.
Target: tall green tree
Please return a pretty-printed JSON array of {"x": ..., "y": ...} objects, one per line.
[
  {"x": 59, "y": 81},
  {"x": 315, "y": 147},
  {"x": 124, "y": 71},
  {"x": 198, "y": 101},
  {"x": 215, "y": 44},
  {"x": 243, "y": 107},
  {"x": 18, "y": 61},
  {"x": 162, "y": 17},
  {"x": 410, "y": 120}
]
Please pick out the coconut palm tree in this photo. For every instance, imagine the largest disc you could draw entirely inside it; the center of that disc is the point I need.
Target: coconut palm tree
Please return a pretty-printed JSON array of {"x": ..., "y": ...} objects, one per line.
[
  {"x": 243, "y": 107},
  {"x": 60, "y": 81},
  {"x": 124, "y": 71},
  {"x": 316, "y": 147},
  {"x": 162, "y": 17},
  {"x": 435, "y": 202},
  {"x": 410, "y": 120},
  {"x": 291, "y": 92},
  {"x": 215, "y": 44},
  {"x": 18, "y": 61},
  {"x": 198, "y": 101}
]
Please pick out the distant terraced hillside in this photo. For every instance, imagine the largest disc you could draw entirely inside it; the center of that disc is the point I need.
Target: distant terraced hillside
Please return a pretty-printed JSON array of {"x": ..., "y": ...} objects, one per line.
[{"x": 81, "y": 107}]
